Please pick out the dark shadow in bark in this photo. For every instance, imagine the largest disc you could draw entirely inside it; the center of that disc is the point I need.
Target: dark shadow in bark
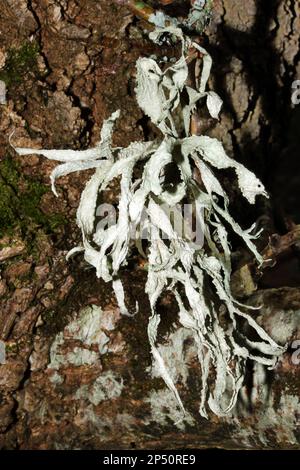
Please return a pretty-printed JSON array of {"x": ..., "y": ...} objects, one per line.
[{"x": 273, "y": 156}]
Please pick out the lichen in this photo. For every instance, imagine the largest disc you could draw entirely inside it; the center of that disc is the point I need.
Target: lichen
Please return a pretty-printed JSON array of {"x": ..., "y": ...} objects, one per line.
[
  {"x": 73, "y": 346},
  {"x": 199, "y": 15},
  {"x": 164, "y": 409},
  {"x": 175, "y": 354},
  {"x": 198, "y": 275},
  {"x": 106, "y": 387}
]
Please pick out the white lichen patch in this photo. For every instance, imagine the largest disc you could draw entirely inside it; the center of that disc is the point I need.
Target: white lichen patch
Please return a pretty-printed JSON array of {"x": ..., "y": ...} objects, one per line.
[
  {"x": 165, "y": 409},
  {"x": 283, "y": 324},
  {"x": 106, "y": 387},
  {"x": 273, "y": 424},
  {"x": 77, "y": 356},
  {"x": 283, "y": 418},
  {"x": 90, "y": 325},
  {"x": 158, "y": 19},
  {"x": 261, "y": 418},
  {"x": 106, "y": 425},
  {"x": 80, "y": 357},
  {"x": 88, "y": 329},
  {"x": 56, "y": 379},
  {"x": 178, "y": 351}
]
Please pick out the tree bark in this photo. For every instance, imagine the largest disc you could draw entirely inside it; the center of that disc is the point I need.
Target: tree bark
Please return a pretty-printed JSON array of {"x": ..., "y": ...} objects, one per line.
[{"x": 77, "y": 374}]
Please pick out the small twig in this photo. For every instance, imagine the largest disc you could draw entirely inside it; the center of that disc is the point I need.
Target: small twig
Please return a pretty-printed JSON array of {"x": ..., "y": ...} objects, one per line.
[
  {"x": 279, "y": 245},
  {"x": 141, "y": 9}
]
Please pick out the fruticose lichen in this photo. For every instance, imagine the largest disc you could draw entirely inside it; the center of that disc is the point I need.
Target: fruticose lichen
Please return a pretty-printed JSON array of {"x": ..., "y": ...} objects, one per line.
[{"x": 199, "y": 276}]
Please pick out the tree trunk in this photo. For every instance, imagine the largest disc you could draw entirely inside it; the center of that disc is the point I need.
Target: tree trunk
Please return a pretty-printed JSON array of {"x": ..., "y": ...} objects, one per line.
[{"x": 76, "y": 374}]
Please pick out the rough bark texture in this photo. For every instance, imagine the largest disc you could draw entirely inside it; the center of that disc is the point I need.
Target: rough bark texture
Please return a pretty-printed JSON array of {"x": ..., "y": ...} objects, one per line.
[{"x": 68, "y": 65}]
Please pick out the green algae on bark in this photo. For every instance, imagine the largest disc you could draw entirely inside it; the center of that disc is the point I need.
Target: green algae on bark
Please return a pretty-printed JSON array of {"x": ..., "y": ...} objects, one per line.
[{"x": 20, "y": 198}]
